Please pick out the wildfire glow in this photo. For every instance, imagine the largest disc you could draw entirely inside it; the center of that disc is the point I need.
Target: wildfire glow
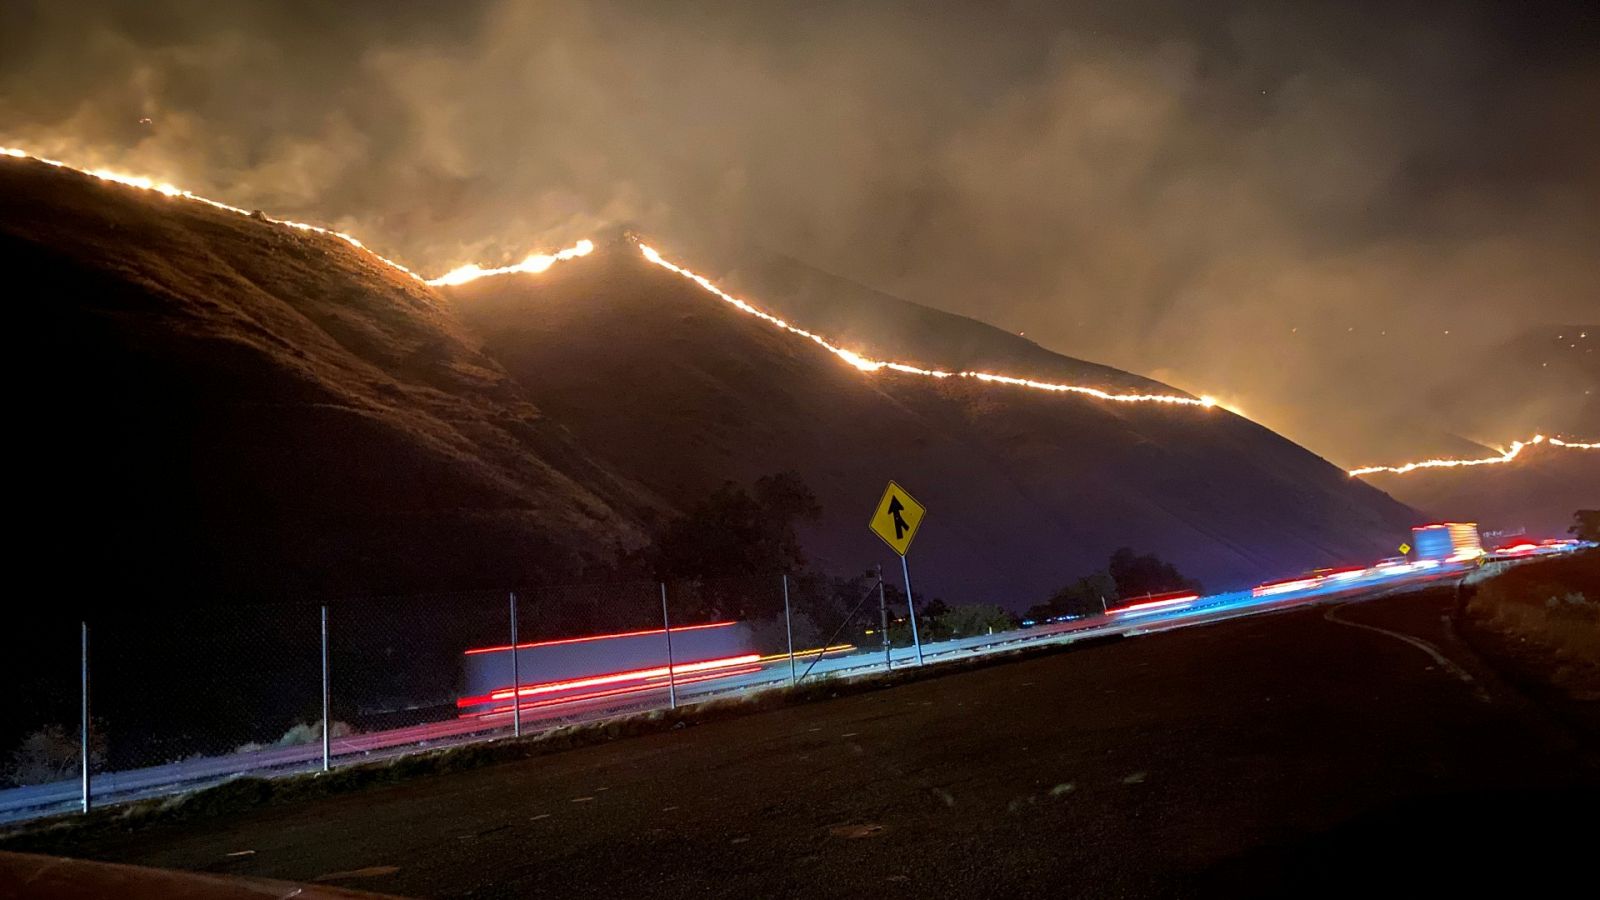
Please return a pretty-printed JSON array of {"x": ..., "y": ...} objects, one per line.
[
  {"x": 533, "y": 265},
  {"x": 866, "y": 364},
  {"x": 170, "y": 190},
  {"x": 1510, "y": 454}
]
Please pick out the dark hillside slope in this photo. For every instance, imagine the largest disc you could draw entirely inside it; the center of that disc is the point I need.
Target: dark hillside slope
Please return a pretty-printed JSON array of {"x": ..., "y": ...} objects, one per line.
[
  {"x": 680, "y": 391},
  {"x": 219, "y": 407}
]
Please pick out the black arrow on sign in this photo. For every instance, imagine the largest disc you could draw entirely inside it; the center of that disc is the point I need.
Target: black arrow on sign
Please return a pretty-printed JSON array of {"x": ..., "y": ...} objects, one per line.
[{"x": 895, "y": 509}]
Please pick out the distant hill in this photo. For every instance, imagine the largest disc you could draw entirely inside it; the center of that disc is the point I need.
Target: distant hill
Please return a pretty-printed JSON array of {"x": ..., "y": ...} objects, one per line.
[
  {"x": 1534, "y": 494},
  {"x": 1543, "y": 379}
]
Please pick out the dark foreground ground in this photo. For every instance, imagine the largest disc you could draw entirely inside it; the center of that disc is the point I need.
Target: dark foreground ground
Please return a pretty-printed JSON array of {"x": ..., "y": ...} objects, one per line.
[{"x": 1299, "y": 753}]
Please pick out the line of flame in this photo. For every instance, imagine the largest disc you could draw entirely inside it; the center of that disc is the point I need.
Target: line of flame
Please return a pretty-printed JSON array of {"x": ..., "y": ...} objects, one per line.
[
  {"x": 171, "y": 190},
  {"x": 866, "y": 364},
  {"x": 533, "y": 265},
  {"x": 536, "y": 263},
  {"x": 1508, "y": 455}
]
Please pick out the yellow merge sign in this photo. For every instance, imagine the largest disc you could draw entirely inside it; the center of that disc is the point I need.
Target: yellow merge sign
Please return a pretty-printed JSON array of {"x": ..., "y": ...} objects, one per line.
[{"x": 897, "y": 518}]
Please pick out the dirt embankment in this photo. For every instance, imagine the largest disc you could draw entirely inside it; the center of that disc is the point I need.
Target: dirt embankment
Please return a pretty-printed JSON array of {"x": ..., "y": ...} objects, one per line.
[{"x": 1540, "y": 624}]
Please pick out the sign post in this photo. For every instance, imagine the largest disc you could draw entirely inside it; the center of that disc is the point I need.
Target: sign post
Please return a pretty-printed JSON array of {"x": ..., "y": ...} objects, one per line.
[
  {"x": 895, "y": 521},
  {"x": 905, "y": 572}
]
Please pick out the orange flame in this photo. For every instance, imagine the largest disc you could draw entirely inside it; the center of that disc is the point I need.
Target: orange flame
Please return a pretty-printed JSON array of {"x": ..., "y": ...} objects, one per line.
[
  {"x": 170, "y": 190},
  {"x": 533, "y": 265},
  {"x": 866, "y": 364},
  {"x": 536, "y": 263},
  {"x": 1508, "y": 455}
]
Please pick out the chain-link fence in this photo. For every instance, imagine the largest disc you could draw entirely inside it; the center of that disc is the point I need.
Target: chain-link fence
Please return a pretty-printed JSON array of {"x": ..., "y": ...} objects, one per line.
[
  {"x": 171, "y": 691},
  {"x": 189, "y": 697},
  {"x": 39, "y": 710}
]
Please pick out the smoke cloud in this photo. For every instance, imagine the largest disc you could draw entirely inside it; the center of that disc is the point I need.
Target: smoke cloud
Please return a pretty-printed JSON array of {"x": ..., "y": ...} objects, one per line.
[{"x": 1340, "y": 217}]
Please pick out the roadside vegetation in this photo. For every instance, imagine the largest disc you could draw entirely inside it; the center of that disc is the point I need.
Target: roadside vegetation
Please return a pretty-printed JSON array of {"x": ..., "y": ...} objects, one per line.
[
  {"x": 1540, "y": 623},
  {"x": 1128, "y": 574}
]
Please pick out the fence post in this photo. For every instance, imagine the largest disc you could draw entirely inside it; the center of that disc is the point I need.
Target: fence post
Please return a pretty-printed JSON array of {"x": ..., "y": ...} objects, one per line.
[
  {"x": 788, "y": 626},
  {"x": 666, "y": 625},
  {"x": 883, "y": 615},
  {"x": 83, "y": 722},
  {"x": 327, "y": 722},
  {"x": 516, "y": 674},
  {"x": 911, "y": 608}
]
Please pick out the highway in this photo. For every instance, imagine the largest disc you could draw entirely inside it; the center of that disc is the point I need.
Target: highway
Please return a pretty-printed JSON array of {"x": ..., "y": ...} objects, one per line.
[
  {"x": 1331, "y": 747},
  {"x": 36, "y": 801}
]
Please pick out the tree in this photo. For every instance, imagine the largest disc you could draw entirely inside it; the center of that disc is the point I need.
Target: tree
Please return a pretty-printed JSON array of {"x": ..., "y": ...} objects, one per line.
[
  {"x": 1084, "y": 597},
  {"x": 1137, "y": 575},
  {"x": 970, "y": 619},
  {"x": 1586, "y": 525},
  {"x": 737, "y": 532},
  {"x": 52, "y": 753},
  {"x": 1040, "y": 612}
]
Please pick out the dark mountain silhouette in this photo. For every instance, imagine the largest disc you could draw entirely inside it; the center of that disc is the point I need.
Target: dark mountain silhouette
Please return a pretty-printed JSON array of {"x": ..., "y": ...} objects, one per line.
[{"x": 228, "y": 407}]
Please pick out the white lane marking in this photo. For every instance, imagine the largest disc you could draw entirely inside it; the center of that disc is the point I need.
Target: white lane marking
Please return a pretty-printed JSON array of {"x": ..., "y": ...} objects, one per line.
[{"x": 1438, "y": 656}]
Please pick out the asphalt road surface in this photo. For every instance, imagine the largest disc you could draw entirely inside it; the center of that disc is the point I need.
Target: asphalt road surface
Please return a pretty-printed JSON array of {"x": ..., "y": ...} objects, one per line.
[{"x": 1354, "y": 748}]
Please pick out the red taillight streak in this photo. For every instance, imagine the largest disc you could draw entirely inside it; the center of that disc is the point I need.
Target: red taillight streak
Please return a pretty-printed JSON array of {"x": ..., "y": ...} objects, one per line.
[
  {"x": 1157, "y": 604},
  {"x": 1284, "y": 587},
  {"x": 656, "y": 685},
  {"x": 601, "y": 637},
  {"x": 1345, "y": 574},
  {"x": 551, "y": 687}
]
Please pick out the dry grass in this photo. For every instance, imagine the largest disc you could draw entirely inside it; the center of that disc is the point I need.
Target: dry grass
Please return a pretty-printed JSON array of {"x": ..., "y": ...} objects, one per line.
[{"x": 1543, "y": 622}]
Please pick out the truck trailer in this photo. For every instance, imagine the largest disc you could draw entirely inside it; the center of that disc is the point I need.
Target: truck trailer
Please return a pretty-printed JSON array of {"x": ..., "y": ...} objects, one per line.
[{"x": 1446, "y": 541}]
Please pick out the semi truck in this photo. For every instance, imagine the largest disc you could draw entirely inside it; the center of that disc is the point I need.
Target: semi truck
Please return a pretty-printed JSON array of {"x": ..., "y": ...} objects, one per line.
[{"x": 1446, "y": 541}]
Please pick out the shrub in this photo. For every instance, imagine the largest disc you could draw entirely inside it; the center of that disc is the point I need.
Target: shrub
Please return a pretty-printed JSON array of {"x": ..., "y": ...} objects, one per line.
[{"x": 51, "y": 754}]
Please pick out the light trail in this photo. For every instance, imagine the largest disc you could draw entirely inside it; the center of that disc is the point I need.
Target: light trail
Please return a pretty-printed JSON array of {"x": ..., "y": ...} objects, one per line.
[
  {"x": 1155, "y": 605},
  {"x": 1506, "y": 456},
  {"x": 588, "y": 638},
  {"x": 646, "y": 674}
]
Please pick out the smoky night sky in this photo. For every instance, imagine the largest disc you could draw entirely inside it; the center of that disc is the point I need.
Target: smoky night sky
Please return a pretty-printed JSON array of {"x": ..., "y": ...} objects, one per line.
[{"x": 1333, "y": 215}]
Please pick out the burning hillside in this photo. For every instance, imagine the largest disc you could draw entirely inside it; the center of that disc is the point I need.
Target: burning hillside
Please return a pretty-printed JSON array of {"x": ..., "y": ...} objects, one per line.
[
  {"x": 232, "y": 406},
  {"x": 680, "y": 392}
]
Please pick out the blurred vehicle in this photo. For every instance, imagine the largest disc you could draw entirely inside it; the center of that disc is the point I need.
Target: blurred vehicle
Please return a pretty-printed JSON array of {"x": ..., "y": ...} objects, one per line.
[
  {"x": 1446, "y": 541},
  {"x": 1152, "y": 602},
  {"x": 592, "y": 667}
]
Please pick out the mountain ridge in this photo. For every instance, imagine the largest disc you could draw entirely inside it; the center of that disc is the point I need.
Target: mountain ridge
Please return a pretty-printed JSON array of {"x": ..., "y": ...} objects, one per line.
[
  {"x": 298, "y": 418},
  {"x": 729, "y": 395}
]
